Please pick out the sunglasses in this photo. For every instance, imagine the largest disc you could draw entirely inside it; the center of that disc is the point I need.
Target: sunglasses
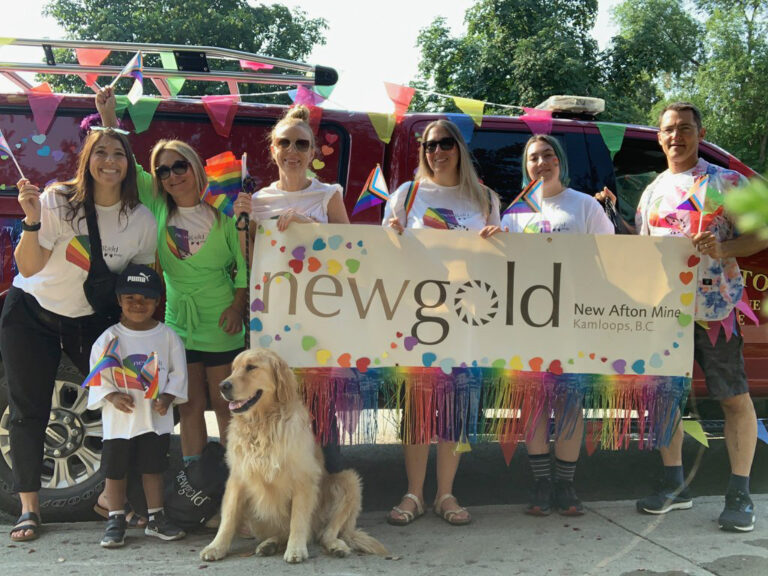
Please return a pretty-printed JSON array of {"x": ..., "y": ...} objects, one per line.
[
  {"x": 301, "y": 145},
  {"x": 447, "y": 143},
  {"x": 179, "y": 167},
  {"x": 108, "y": 128}
]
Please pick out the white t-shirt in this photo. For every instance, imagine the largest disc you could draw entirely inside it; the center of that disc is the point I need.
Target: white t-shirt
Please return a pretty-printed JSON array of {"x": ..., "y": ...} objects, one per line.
[
  {"x": 570, "y": 212},
  {"x": 313, "y": 201},
  {"x": 135, "y": 346},
  {"x": 442, "y": 207},
  {"x": 188, "y": 229},
  {"x": 58, "y": 287}
]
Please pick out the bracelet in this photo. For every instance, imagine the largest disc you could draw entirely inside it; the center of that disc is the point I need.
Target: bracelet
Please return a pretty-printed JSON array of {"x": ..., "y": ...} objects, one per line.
[{"x": 30, "y": 227}]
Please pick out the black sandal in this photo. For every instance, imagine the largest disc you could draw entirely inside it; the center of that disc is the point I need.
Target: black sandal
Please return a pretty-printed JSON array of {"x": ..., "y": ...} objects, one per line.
[{"x": 27, "y": 521}]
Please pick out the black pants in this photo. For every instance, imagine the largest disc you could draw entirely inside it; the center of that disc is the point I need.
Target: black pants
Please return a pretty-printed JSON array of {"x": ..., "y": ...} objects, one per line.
[{"x": 31, "y": 341}]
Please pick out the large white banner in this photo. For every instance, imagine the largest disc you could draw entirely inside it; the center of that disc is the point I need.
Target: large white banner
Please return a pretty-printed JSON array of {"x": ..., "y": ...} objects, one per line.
[{"x": 355, "y": 296}]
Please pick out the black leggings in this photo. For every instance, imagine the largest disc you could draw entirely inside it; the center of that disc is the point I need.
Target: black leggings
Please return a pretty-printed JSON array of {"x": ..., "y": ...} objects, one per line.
[{"x": 31, "y": 341}]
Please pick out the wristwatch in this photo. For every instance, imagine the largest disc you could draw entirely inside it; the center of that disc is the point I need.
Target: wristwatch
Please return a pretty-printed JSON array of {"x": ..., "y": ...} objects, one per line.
[{"x": 30, "y": 227}]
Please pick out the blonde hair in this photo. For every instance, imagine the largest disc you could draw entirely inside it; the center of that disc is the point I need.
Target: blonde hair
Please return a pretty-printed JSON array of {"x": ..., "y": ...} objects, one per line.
[
  {"x": 468, "y": 179},
  {"x": 295, "y": 116},
  {"x": 188, "y": 153}
]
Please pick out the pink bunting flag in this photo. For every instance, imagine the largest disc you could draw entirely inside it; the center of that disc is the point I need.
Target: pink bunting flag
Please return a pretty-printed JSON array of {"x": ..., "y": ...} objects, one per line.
[
  {"x": 401, "y": 96},
  {"x": 255, "y": 66},
  {"x": 43, "y": 103},
  {"x": 91, "y": 57},
  {"x": 307, "y": 97},
  {"x": 221, "y": 110},
  {"x": 538, "y": 121}
]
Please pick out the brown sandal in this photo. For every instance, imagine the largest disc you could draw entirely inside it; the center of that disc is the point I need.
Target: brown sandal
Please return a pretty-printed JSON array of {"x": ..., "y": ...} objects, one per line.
[
  {"x": 450, "y": 515},
  {"x": 407, "y": 516}
]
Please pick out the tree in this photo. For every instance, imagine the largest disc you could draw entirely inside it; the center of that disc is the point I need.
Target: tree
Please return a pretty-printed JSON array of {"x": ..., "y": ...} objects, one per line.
[
  {"x": 514, "y": 52},
  {"x": 268, "y": 30}
]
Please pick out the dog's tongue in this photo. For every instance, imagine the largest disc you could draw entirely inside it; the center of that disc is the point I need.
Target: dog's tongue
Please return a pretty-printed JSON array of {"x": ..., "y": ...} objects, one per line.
[{"x": 236, "y": 405}]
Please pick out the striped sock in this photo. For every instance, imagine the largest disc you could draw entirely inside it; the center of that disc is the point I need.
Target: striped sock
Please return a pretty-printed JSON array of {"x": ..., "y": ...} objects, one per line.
[
  {"x": 564, "y": 471},
  {"x": 540, "y": 466}
]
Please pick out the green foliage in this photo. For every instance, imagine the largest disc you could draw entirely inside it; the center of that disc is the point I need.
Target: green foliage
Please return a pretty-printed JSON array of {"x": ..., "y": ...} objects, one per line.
[
  {"x": 750, "y": 204},
  {"x": 270, "y": 30}
]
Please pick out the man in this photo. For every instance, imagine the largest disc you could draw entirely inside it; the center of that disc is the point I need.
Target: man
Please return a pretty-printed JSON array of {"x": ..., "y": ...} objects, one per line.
[{"x": 719, "y": 289}]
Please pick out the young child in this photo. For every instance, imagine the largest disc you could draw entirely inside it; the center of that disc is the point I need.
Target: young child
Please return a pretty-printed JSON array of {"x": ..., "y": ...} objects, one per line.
[{"x": 137, "y": 422}]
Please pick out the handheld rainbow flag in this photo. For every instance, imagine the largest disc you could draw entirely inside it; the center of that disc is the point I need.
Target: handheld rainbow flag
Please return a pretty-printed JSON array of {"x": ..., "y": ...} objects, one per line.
[
  {"x": 697, "y": 195},
  {"x": 5, "y": 148},
  {"x": 134, "y": 69},
  {"x": 148, "y": 377},
  {"x": 110, "y": 359},
  {"x": 528, "y": 201},
  {"x": 374, "y": 192},
  {"x": 224, "y": 182}
]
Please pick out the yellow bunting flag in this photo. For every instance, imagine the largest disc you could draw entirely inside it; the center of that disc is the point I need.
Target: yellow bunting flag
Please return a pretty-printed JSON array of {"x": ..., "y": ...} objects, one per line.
[
  {"x": 694, "y": 430},
  {"x": 4, "y": 41},
  {"x": 384, "y": 124},
  {"x": 472, "y": 108}
]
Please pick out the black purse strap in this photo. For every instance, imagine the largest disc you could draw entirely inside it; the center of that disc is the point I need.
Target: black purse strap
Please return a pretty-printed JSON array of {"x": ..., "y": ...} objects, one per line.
[{"x": 94, "y": 238}]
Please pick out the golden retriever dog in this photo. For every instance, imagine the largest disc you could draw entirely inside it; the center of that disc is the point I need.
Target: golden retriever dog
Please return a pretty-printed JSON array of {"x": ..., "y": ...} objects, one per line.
[{"x": 278, "y": 487}]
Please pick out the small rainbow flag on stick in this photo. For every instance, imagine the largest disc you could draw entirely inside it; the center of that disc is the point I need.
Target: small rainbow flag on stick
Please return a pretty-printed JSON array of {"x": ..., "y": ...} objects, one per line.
[
  {"x": 697, "y": 195},
  {"x": 224, "y": 182},
  {"x": 148, "y": 377},
  {"x": 528, "y": 201},
  {"x": 110, "y": 359},
  {"x": 134, "y": 69},
  {"x": 374, "y": 192},
  {"x": 5, "y": 148}
]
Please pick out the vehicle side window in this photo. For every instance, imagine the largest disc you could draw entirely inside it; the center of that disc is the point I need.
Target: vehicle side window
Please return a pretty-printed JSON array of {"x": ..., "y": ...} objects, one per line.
[
  {"x": 636, "y": 165},
  {"x": 497, "y": 156}
]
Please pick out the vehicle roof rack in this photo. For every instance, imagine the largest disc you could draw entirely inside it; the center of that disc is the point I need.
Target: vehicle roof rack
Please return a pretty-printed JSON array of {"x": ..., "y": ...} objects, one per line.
[{"x": 193, "y": 62}]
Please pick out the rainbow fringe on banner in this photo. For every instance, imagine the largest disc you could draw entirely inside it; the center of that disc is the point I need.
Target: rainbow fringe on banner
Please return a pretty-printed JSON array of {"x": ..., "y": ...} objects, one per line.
[
  {"x": 224, "y": 182},
  {"x": 528, "y": 201},
  {"x": 476, "y": 404}
]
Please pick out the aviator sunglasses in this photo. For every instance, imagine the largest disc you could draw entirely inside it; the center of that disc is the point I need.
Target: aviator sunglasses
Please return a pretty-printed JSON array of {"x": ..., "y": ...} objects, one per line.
[
  {"x": 446, "y": 144},
  {"x": 301, "y": 145},
  {"x": 179, "y": 167}
]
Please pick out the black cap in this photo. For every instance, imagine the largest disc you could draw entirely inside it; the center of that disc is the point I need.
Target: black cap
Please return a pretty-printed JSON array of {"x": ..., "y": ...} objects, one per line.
[{"x": 140, "y": 279}]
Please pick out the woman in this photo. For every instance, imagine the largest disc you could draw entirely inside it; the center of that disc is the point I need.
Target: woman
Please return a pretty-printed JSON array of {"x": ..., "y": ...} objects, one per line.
[
  {"x": 295, "y": 197},
  {"x": 199, "y": 252},
  {"x": 448, "y": 184},
  {"x": 46, "y": 310},
  {"x": 563, "y": 211}
]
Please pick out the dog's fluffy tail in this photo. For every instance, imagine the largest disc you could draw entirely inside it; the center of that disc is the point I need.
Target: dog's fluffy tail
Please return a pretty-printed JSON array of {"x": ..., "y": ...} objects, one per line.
[{"x": 364, "y": 542}]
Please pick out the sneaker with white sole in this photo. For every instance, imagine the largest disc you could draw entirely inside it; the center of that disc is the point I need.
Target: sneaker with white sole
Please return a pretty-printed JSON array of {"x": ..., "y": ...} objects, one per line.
[
  {"x": 114, "y": 535},
  {"x": 160, "y": 527},
  {"x": 738, "y": 514},
  {"x": 669, "y": 497}
]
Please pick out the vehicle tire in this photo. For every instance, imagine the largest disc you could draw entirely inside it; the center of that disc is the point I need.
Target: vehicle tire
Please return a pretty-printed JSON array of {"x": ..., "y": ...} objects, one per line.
[{"x": 71, "y": 478}]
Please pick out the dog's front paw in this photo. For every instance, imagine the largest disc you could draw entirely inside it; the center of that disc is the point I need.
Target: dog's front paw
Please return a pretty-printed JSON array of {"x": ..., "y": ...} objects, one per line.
[
  {"x": 295, "y": 554},
  {"x": 212, "y": 553},
  {"x": 268, "y": 547}
]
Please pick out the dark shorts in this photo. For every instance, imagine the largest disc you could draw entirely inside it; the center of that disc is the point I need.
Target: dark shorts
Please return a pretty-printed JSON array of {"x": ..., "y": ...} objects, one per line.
[
  {"x": 722, "y": 364},
  {"x": 148, "y": 453},
  {"x": 210, "y": 359}
]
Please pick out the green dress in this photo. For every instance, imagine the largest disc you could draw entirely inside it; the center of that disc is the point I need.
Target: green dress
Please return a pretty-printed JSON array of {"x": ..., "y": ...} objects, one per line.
[{"x": 200, "y": 287}]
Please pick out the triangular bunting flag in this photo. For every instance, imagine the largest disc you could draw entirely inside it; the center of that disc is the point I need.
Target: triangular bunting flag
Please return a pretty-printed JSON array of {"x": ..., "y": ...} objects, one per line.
[
  {"x": 43, "y": 103},
  {"x": 324, "y": 91},
  {"x": 255, "y": 66},
  {"x": 91, "y": 57},
  {"x": 694, "y": 430},
  {"x": 613, "y": 136},
  {"x": 472, "y": 108},
  {"x": 174, "y": 84},
  {"x": 121, "y": 104},
  {"x": 6, "y": 41},
  {"x": 508, "y": 447},
  {"x": 374, "y": 192},
  {"x": 538, "y": 121},
  {"x": 142, "y": 112},
  {"x": 221, "y": 110},
  {"x": 464, "y": 123},
  {"x": 384, "y": 124},
  {"x": 762, "y": 433},
  {"x": 303, "y": 96},
  {"x": 401, "y": 96}
]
